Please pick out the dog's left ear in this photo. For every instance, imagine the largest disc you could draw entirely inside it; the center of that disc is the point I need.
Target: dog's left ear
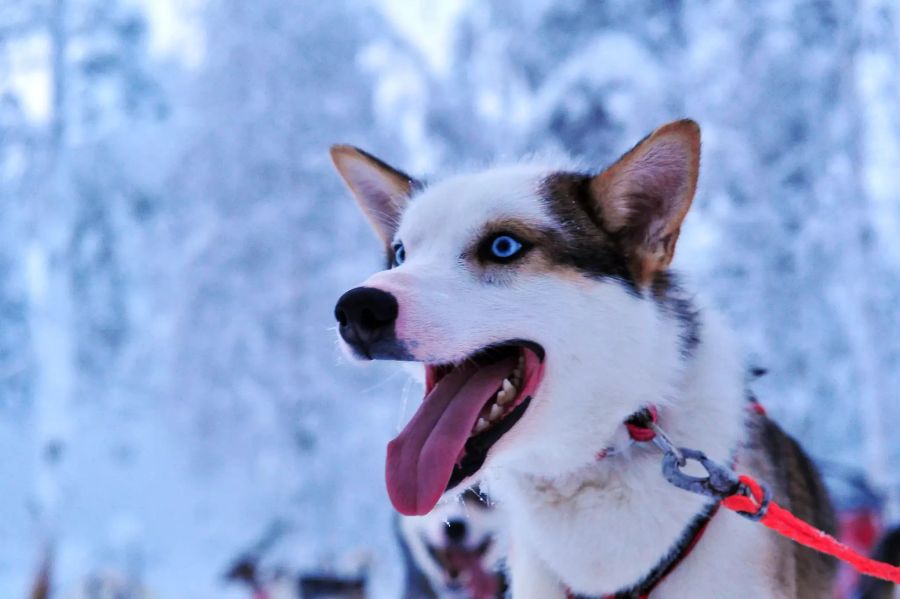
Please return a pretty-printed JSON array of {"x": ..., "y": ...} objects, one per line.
[
  {"x": 644, "y": 197},
  {"x": 380, "y": 190}
]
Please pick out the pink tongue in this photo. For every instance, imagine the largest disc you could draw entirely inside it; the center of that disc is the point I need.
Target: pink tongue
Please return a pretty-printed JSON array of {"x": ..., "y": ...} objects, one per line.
[
  {"x": 482, "y": 583},
  {"x": 420, "y": 460}
]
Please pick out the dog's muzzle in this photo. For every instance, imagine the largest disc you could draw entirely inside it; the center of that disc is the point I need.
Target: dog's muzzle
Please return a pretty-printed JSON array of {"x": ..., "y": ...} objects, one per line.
[{"x": 366, "y": 321}]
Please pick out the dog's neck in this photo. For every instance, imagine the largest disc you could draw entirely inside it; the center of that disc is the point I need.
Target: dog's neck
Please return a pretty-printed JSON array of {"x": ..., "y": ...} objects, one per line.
[{"x": 566, "y": 517}]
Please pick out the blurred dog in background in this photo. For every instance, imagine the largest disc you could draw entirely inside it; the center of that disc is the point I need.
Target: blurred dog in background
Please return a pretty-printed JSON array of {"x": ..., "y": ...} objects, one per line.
[{"x": 454, "y": 551}]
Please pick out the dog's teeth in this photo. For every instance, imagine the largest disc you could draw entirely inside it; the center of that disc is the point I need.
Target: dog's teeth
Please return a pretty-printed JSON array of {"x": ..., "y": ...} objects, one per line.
[
  {"x": 481, "y": 425},
  {"x": 503, "y": 397},
  {"x": 496, "y": 411},
  {"x": 508, "y": 387}
]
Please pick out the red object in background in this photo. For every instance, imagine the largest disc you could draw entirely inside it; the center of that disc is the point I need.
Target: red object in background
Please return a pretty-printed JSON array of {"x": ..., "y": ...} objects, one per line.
[{"x": 858, "y": 528}]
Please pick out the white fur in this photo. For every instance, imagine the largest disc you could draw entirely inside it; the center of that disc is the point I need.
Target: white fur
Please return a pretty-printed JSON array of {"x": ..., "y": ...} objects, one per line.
[
  {"x": 592, "y": 526},
  {"x": 605, "y": 525}
]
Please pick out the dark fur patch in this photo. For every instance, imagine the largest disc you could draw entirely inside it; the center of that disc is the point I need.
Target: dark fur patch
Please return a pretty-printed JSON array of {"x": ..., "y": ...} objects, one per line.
[
  {"x": 585, "y": 244},
  {"x": 796, "y": 486},
  {"x": 676, "y": 302}
]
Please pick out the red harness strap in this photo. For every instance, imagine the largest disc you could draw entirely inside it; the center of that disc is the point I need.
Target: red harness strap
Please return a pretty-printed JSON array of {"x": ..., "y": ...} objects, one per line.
[{"x": 639, "y": 425}]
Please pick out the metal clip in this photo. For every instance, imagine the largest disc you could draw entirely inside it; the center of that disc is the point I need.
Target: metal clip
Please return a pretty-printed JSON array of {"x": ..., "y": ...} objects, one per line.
[
  {"x": 763, "y": 508},
  {"x": 719, "y": 483},
  {"x": 662, "y": 440}
]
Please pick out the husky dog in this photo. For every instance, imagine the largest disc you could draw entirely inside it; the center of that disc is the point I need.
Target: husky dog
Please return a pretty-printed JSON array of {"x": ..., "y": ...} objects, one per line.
[
  {"x": 541, "y": 304},
  {"x": 453, "y": 551},
  {"x": 888, "y": 550}
]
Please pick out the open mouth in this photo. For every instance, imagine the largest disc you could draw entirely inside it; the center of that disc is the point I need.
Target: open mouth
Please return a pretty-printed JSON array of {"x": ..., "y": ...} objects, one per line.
[
  {"x": 464, "y": 567},
  {"x": 467, "y": 408}
]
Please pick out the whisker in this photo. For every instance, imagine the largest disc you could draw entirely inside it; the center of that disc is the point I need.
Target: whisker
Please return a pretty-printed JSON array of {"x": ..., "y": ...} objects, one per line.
[
  {"x": 404, "y": 401},
  {"x": 382, "y": 382}
]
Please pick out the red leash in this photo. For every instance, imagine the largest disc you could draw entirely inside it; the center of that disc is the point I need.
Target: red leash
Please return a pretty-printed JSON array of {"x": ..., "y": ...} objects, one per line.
[
  {"x": 750, "y": 501},
  {"x": 741, "y": 494}
]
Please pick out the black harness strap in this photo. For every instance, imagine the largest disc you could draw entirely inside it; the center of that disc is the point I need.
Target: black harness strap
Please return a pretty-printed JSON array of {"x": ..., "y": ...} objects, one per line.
[{"x": 669, "y": 561}]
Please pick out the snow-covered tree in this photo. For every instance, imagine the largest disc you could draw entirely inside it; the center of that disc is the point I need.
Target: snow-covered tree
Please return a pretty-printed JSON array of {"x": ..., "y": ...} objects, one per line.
[{"x": 173, "y": 239}]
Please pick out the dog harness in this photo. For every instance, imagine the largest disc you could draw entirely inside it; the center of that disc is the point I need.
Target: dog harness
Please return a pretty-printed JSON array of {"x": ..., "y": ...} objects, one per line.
[
  {"x": 741, "y": 494},
  {"x": 641, "y": 427},
  {"x": 689, "y": 539}
]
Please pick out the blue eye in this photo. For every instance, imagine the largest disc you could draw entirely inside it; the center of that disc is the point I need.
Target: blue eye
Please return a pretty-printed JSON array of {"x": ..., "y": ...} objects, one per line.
[
  {"x": 505, "y": 247},
  {"x": 399, "y": 253}
]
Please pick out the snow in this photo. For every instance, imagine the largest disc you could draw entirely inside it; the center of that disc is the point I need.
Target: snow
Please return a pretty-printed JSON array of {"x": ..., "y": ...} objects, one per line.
[
  {"x": 27, "y": 77},
  {"x": 172, "y": 240}
]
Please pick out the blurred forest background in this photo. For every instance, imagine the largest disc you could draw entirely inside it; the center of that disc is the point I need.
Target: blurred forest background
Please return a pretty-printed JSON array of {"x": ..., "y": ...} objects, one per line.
[{"x": 172, "y": 240}]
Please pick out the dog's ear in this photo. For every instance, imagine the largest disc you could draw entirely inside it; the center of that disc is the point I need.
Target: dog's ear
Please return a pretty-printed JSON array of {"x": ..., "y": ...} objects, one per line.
[
  {"x": 644, "y": 197},
  {"x": 381, "y": 190}
]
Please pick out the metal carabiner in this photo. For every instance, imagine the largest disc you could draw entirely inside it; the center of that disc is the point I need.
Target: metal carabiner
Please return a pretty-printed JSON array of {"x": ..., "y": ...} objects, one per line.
[
  {"x": 719, "y": 483},
  {"x": 664, "y": 443}
]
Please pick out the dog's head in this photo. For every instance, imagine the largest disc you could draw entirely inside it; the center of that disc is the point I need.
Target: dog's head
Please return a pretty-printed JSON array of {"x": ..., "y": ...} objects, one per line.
[
  {"x": 534, "y": 297},
  {"x": 455, "y": 548}
]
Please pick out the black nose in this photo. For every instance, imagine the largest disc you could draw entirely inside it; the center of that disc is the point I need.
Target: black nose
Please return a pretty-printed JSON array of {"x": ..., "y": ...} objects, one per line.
[
  {"x": 456, "y": 530},
  {"x": 366, "y": 315}
]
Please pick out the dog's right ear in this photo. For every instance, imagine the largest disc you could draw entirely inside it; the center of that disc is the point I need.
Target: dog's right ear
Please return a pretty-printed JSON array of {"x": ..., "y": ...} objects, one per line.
[
  {"x": 381, "y": 190},
  {"x": 644, "y": 197}
]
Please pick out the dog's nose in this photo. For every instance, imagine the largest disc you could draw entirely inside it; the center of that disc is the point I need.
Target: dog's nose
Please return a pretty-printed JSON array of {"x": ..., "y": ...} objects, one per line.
[
  {"x": 364, "y": 315},
  {"x": 456, "y": 530}
]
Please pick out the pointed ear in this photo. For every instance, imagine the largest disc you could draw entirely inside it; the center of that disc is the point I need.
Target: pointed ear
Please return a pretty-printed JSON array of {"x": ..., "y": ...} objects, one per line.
[
  {"x": 381, "y": 190},
  {"x": 644, "y": 197}
]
